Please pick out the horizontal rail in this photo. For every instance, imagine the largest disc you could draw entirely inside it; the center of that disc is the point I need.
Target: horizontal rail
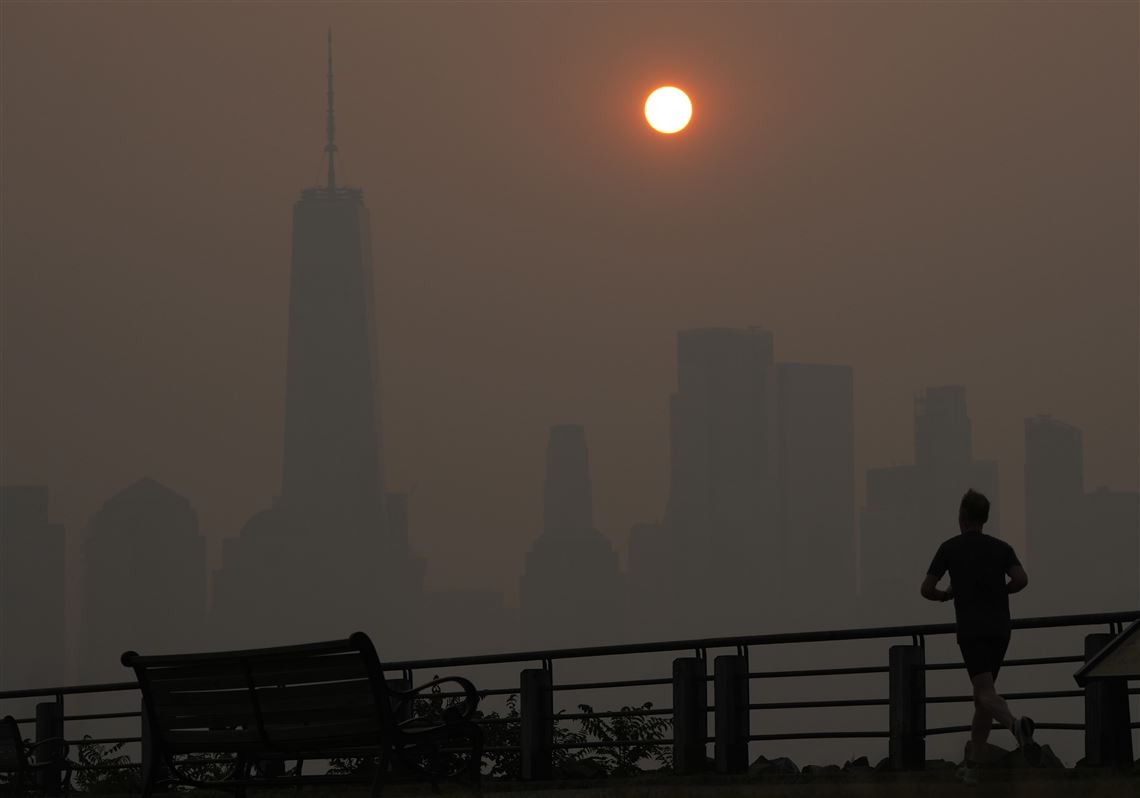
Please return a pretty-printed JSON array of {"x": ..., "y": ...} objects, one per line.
[
  {"x": 958, "y": 699},
  {"x": 820, "y": 672},
  {"x": 1010, "y": 663},
  {"x": 103, "y": 740},
  {"x": 837, "y": 735},
  {"x": 661, "y": 743},
  {"x": 606, "y": 685},
  {"x": 103, "y": 716},
  {"x": 997, "y": 727},
  {"x": 848, "y": 702},
  {"x": 698, "y": 644},
  {"x": 628, "y": 713}
]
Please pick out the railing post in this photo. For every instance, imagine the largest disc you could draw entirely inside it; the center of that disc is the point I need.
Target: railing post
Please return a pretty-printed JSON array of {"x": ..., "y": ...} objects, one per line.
[
  {"x": 908, "y": 708},
  {"x": 690, "y": 715},
  {"x": 1108, "y": 733},
  {"x": 730, "y": 691},
  {"x": 536, "y": 724},
  {"x": 49, "y": 726}
]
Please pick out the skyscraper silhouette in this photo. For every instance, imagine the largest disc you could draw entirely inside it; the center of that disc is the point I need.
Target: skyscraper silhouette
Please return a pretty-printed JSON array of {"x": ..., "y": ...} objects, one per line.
[
  {"x": 327, "y": 530},
  {"x": 1054, "y": 494},
  {"x": 31, "y": 590},
  {"x": 909, "y": 510},
  {"x": 571, "y": 589},
  {"x": 723, "y": 509},
  {"x": 144, "y": 579},
  {"x": 816, "y": 423}
]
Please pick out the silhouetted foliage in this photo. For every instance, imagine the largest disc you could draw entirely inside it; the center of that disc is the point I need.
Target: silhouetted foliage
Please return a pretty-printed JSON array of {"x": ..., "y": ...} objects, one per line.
[
  {"x": 104, "y": 769},
  {"x": 636, "y": 736}
]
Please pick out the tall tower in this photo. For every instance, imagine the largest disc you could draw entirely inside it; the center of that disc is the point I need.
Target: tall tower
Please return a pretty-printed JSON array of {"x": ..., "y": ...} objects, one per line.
[
  {"x": 723, "y": 509},
  {"x": 570, "y": 592},
  {"x": 332, "y": 476},
  {"x": 327, "y": 558}
]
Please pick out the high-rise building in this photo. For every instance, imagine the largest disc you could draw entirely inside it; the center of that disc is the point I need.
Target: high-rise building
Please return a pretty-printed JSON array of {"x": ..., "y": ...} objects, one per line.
[
  {"x": 910, "y": 510},
  {"x": 816, "y": 447},
  {"x": 723, "y": 508},
  {"x": 144, "y": 579},
  {"x": 31, "y": 590},
  {"x": 650, "y": 583},
  {"x": 571, "y": 591},
  {"x": 1109, "y": 573},
  {"x": 321, "y": 563},
  {"x": 1054, "y": 498}
]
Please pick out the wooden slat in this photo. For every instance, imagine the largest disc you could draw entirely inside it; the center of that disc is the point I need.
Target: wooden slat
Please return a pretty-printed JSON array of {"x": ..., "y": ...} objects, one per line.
[
  {"x": 305, "y": 698},
  {"x": 309, "y": 670},
  {"x": 318, "y": 734},
  {"x": 319, "y": 715},
  {"x": 200, "y": 698},
  {"x": 205, "y": 741},
  {"x": 231, "y": 681}
]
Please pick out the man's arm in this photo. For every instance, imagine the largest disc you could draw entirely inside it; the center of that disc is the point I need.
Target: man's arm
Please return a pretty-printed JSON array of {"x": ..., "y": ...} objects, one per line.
[
  {"x": 930, "y": 589},
  {"x": 1018, "y": 579}
]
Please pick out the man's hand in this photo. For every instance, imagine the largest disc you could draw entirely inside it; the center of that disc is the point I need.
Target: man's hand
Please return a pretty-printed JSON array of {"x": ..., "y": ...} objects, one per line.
[
  {"x": 1018, "y": 579},
  {"x": 931, "y": 592}
]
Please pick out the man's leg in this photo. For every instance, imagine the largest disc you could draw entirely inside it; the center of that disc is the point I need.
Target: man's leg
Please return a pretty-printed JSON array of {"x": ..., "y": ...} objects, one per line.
[
  {"x": 980, "y": 729},
  {"x": 987, "y": 700}
]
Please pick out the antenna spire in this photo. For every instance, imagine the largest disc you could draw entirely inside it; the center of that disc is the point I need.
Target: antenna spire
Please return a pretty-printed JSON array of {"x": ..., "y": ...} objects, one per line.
[{"x": 330, "y": 146}]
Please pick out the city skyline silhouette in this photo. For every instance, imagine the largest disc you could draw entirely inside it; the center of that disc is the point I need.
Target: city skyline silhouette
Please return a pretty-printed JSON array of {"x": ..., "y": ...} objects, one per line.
[
  {"x": 906, "y": 306},
  {"x": 459, "y": 352}
]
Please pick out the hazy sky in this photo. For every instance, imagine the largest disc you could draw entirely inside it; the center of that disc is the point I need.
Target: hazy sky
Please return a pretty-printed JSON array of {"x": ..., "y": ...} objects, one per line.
[{"x": 932, "y": 193}]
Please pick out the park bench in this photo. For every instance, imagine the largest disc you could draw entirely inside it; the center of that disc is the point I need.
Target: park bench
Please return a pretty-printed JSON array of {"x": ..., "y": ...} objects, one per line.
[
  {"x": 261, "y": 708},
  {"x": 22, "y": 774}
]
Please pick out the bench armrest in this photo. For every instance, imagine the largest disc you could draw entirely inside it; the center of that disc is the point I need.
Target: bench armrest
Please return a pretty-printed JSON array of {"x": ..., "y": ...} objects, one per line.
[
  {"x": 462, "y": 712},
  {"x": 29, "y": 747}
]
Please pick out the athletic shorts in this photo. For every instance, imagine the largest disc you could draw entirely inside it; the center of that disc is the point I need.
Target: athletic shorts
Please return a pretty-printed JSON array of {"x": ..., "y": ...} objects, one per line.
[{"x": 983, "y": 654}]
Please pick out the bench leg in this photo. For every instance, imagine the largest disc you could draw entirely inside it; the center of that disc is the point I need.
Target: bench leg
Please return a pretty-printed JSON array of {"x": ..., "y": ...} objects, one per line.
[{"x": 382, "y": 764}]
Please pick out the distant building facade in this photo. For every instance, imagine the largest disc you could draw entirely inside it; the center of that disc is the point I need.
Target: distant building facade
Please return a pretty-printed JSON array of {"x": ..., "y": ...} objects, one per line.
[
  {"x": 325, "y": 560},
  {"x": 144, "y": 579},
  {"x": 1111, "y": 520},
  {"x": 723, "y": 515},
  {"x": 31, "y": 590},
  {"x": 910, "y": 510},
  {"x": 816, "y": 466},
  {"x": 571, "y": 591},
  {"x": 1054, "y": 500}
]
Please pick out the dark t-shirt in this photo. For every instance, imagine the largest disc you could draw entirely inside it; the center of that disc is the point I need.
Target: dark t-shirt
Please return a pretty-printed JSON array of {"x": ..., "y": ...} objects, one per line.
[{"x": 978, "y": 564}]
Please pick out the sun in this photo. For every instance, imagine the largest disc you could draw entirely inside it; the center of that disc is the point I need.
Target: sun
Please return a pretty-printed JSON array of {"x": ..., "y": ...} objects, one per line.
[{"x": 668, "y": 109}]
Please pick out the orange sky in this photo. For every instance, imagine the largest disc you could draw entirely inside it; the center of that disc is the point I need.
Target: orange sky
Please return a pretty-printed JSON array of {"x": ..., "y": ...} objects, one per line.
[{"x": 932, "y": 193}]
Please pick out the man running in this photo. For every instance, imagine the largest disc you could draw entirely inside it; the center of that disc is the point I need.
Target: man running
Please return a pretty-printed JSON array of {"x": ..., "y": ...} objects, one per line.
[{"x": 979, "y": 564}]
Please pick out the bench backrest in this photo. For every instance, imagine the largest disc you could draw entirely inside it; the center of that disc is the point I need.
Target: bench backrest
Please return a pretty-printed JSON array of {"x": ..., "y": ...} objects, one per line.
[{"x": 290, "y": 698}]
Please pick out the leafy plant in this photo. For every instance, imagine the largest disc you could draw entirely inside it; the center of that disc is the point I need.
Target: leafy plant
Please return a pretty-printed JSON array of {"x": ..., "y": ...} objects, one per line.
[
  {"x": 104, "y": 769},
  {"x": 631, "y": 739}
]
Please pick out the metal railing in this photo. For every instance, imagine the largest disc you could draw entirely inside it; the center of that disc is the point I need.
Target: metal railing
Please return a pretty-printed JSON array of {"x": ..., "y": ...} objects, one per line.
[{"x": 1108, "y": 730}]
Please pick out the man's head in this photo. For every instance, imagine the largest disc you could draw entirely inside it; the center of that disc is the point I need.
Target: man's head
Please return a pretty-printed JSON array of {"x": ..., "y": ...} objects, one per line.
[{"x": 973, "y": 512}]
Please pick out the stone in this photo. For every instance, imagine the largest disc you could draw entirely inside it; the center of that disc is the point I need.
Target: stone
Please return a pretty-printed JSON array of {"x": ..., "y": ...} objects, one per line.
[
  {"x": 587, "y": 768},
  {"x": 780, "y": 766},
  {"x": 941, "y": 764},
  {"x": 859, "y": 763},
  {"x": 821, "y": 770}
]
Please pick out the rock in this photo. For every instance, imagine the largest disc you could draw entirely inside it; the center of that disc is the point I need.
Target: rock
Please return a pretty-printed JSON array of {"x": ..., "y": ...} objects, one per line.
[
  {"x": 883, "y": 764},
  {"x": 780, "y": 766},
  {"x": 940, "y": 764},
  {"x": 821, "y": 770},
  {"x": 588, "y": 768},
  {"x": 859, "y": 763}
]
